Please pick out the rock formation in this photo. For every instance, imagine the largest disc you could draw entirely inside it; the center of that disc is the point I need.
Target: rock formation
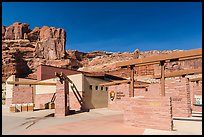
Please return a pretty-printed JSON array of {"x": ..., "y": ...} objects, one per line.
[
  {"x": 50, "y": 43},
  {"x": 16, "y": 31},
  {"x": 24, "y": 49},
  {"x": 136, "y": 54}
]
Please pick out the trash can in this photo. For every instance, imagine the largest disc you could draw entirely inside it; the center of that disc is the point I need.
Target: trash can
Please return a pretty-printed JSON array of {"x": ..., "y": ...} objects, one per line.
[
  {"x": 24, "y": 107},
  {"x": 30, "y": 106},
  {"x": 13, "y": 108},
  {"x": 18, "y": 107},
  {"x": 51, "y": 105}
]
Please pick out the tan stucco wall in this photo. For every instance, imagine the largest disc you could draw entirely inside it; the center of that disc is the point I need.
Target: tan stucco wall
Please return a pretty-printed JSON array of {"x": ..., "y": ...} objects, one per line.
[
  {"x": 24, "y": 79},
  {"x": 46, "y": 89},
  {"x": 9, "y": 87},
  {"x": 77, "y": 79},
  {"x": 95, "y": 98}
]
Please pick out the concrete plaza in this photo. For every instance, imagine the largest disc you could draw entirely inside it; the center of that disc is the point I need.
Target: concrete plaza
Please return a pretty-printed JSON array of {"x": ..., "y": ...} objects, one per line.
[{"x": 96, "y": 122}]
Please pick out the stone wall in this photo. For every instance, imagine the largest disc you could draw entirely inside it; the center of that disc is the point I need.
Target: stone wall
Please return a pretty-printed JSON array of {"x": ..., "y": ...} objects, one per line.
[
  {"x": 148, "y": 112},
  {"x": 117, "y": 103},
  {"x": 196, "y": 88},
  {"x": 41, "y": 99},
  {"x": 22, "y": 95},
  {"x": 177, "y": 88},
  {"x": 169, "y": 67},
  {"x": 62, "y": 105}
]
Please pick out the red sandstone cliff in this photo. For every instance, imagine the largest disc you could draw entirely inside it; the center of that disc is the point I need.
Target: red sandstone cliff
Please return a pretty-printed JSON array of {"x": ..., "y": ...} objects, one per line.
[{"x": 24, "y": 49}]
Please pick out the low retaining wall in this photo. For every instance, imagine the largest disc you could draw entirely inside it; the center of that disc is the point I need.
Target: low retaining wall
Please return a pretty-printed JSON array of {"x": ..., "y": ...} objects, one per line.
[
  {"x": 176, "y": 88},
  {"x": 148, "y": 112}
]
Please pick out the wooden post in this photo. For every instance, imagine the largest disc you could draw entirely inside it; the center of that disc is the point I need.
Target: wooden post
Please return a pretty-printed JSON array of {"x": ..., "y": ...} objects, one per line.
[
  {"x": 162, "y": 78},
  {"x": 131, "y": 92},
  {"x": 67, "y": 101}
]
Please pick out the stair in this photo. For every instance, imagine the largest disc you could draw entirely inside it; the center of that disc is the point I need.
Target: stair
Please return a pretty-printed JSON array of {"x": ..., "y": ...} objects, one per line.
[{"x": 196, "y": 116}]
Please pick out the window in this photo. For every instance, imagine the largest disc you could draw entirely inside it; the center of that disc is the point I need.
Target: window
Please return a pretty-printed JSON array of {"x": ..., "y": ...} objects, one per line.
[
  {"x": 106, "y": 88},
  {"x": 90, "y": 87},
  {"x": 101, "y": 88},
  {"x": 96, "y": 87}
]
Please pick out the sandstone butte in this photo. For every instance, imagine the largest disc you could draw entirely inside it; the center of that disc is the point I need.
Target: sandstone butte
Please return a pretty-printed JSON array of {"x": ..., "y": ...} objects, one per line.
[{"x": 24, "y": 49}]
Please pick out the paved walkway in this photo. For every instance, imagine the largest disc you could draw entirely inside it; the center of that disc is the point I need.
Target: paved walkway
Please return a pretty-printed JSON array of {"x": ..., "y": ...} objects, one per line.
[
  {"x": 96, "y": 122},
  {"x": 104, "y": 126}
]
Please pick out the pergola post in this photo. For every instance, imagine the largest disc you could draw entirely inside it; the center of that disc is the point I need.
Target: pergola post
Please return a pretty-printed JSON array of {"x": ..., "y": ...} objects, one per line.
[
  {"x": 162, "y": 78},
  {"x": 62, "y": 106},
  {"x": 131, "y": 92}
]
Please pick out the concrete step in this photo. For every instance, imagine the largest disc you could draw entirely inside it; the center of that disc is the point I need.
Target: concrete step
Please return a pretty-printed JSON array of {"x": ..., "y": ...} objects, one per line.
[
  {"x": 188, "y": 118},
  {"x": 196, "y": 115},
  {"x": 195, "y": 112}
]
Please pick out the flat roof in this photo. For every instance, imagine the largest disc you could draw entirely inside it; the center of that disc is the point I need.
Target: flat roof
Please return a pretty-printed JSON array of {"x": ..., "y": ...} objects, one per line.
[{"x": 101, "y": 75}]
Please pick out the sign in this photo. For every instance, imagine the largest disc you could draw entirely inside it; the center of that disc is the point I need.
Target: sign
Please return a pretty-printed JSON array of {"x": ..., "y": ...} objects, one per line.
[
  {"x": 198, "y": 100},
  {"x": 119, "y": 95},
  {"x": 112, "y": 95},
  {"x": 176, "y": 99}
]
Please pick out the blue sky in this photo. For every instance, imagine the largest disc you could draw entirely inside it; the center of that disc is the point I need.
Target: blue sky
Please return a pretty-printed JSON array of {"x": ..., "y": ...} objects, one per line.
[{"x": 115, "y": 26}]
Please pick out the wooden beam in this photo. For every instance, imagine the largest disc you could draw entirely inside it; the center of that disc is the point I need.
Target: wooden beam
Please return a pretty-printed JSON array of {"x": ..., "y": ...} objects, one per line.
[
  {"x": 145, "y": 64},
  {"x": 30, "y": 83},
  {"x": 115, "y": 82},
  {"x": 141, "y": 86},
  {"x": 195, "y": 79},
  {"x": 65, "y": 76},
  {"x": 142, "y": 64},
  {"x": 188, "y": 58},
  {"x": 180, "y": 73},
  {"x": 189, "y": 54},
  {"x": 122, "y": 82},
  {"x": 162, "y": 79}
]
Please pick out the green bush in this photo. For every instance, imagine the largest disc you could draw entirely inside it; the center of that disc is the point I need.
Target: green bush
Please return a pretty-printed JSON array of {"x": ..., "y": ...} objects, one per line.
[
  {"x": 3, "y": 96},
  {"x": 3, "y": 102}
]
